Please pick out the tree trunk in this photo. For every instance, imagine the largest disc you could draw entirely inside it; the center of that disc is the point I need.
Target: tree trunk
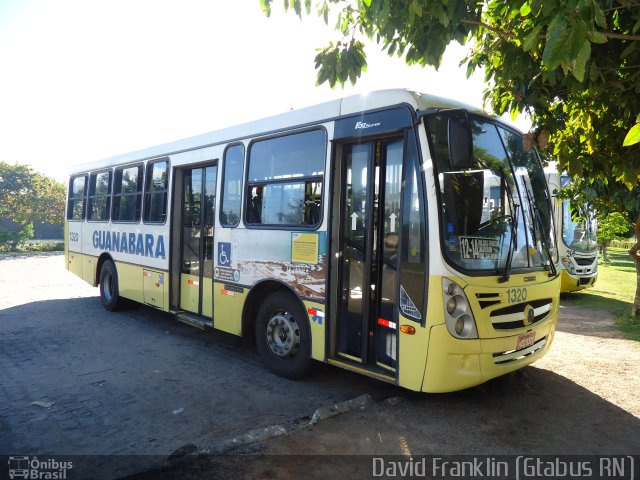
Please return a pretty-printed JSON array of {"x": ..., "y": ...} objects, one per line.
[
  {"x": 16, "y": 237},
  {"x": 605, "y": 253},
  {"x": 636, "y": 260}
]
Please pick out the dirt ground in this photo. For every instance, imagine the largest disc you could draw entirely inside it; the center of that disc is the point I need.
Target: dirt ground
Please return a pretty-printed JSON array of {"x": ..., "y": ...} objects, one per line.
[{"x": 581, "y": 399}]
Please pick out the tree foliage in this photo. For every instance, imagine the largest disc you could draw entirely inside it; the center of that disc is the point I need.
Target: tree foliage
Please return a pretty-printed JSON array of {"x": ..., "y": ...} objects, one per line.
[
  {"x": 29, "y": 197},
  {"x": 573, "y": 65},
  {"x": 611, "y": 226}
]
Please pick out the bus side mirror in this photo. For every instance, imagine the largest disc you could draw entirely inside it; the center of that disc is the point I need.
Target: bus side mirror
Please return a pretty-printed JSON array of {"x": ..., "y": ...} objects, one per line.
[{"x": 460, "y": 140}]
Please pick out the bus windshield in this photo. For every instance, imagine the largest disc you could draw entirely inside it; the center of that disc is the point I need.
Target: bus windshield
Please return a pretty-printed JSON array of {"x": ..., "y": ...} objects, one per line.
[
  {"x": 495, "y": 215},
  {"x": 578, "y": 231}
]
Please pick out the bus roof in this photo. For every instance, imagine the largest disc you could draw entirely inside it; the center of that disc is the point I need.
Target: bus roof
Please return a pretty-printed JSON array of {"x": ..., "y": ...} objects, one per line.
[{"x": 293, "y": 119}]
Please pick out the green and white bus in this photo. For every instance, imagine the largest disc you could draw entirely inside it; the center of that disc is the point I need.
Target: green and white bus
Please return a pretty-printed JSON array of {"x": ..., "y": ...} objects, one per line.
[
  {"x": 577, "y": 243},
  {"x": 395, "y": 234}
]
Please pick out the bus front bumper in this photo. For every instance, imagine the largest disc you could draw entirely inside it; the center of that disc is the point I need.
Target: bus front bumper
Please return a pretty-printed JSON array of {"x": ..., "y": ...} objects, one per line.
[
  {"x": 454, "y": 364},
  {"x": 573, "y": 283}
]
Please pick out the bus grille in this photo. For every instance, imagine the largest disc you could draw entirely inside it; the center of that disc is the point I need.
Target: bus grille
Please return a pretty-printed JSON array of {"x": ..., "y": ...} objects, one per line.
[
  {"x": 513, "y": 316},
  {"x": 488, "y": 299},
  {"x": 584, "y": 261},
  {"x": 515, "y": 355}
]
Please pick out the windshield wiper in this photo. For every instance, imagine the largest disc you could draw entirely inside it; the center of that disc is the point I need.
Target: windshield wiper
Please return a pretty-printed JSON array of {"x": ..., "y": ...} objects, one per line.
[
  {"x": 534, "y": 212},
  {"x": 545, "y": 242},
  {"x": 513, "y": 244}
]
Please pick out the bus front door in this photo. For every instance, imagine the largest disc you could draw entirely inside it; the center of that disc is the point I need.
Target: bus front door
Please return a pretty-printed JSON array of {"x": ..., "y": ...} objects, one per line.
[
  {"x": 198, "y": 213},
  {"x": 367, "y": 273}
]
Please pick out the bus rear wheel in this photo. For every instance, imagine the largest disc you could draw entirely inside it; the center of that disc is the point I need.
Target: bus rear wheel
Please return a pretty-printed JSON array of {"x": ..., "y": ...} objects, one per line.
[
  {"x": 109, "y": 291},
  {"x": 283, "y": 338}
]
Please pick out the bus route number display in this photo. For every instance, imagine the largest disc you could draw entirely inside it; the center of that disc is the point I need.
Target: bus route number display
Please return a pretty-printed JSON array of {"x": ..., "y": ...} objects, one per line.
[{"x": 479, "y": 248}]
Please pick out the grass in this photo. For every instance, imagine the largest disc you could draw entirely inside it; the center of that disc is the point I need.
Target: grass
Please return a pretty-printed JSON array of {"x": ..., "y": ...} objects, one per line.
[
  {"x": 614, "y": 291},
  {"x": 33, "y": 246}
]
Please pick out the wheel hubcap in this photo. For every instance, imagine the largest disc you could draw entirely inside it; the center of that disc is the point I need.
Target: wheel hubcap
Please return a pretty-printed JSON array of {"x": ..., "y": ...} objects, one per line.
[
  {"x": 108, "y": 287},
  {"x": 283, "y": 334}
]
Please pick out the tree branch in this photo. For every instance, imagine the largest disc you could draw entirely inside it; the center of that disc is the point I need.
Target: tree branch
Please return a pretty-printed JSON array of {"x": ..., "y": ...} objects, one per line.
[
  {"x": 478, "y": 23},
  {"x": 621, "y": 36},
  {"x": 622, "y": 7}
]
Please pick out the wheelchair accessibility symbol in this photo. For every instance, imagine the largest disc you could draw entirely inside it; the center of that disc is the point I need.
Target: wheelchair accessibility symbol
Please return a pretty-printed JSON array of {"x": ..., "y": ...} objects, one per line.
[{"x": 224, "y": 254}]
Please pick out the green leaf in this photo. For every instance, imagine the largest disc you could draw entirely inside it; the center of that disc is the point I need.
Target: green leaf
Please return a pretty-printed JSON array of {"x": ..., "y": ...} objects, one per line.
[
  {"x": 525, "y": 9},
  {"x": 633, "y": 136},
  {"x": 594, "y": 72},
  {"x": 599, "y": 16},
  {"x": 532, "y": 40},
  {"x": 629, "y": 49},
  {"x": 549, "y": 7},
  {"x": 324, "y": 11},
  {"x": 555, "y": 51},
  {"x": 416, "y": 6},
  {"x": 579, "y": 64},
  {"x": 265, "y": 5},
  {"x": 576, "y": 39},
  {"x": 597, "y": 37}
]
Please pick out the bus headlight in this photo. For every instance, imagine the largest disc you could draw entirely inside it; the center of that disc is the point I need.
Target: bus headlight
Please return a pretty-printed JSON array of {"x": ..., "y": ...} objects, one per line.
[
  {"x": 464, "y": 326},
  {"x": 568, "y": 265},
  {"x": 451, "y": 305},
  {"x": 457, "y": 314}
]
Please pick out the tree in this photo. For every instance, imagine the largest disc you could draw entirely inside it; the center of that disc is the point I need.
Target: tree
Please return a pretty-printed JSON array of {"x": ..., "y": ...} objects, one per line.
[
  {"x": 28, "y": 197},
  {"x": 636, "y": 259},
  {"x": 572, "y": 65},
  {"x": 610, "y": 227}
]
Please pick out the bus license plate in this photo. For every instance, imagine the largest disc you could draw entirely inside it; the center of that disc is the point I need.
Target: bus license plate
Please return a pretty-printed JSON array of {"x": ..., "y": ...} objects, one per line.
[{"x": 526, "y": 340}]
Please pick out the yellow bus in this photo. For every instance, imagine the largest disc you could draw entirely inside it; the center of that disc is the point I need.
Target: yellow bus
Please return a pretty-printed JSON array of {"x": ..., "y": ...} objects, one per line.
[
  {"x": 576, "y": 239},
  {"x": 395, "y": 234}
]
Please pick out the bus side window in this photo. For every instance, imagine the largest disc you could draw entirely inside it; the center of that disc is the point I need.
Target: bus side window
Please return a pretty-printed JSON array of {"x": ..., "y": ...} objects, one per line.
[
  {"x": 127, "y": 194},
  {"x": 232, "y": 185},
  {"x": 99, "y": 196},
  {"x": 156, "y": 187},
  {"x": 284, "y": 184},
  {"x": 77, "y": 199}
]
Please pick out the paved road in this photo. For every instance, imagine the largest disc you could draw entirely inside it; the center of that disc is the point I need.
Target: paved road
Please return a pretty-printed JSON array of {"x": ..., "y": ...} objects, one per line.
[{"x": 76, "y": 379}]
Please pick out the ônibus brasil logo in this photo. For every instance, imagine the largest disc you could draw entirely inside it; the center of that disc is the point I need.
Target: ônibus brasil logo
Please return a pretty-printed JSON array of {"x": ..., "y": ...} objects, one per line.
[{"x": 34, "y": 468}]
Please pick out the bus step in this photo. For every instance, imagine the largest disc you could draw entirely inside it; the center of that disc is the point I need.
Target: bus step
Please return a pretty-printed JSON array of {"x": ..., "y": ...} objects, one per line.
[{"x": 195, "y": 320}]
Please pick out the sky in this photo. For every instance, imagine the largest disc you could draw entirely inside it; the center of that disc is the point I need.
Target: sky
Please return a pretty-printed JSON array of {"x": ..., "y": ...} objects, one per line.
[{"x": 83, "y": 80}]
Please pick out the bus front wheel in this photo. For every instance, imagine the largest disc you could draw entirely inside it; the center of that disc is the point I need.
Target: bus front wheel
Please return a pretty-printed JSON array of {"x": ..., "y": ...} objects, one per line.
[
  {"x": 109, "y": 292},
  {"x": 283, "y": 338}
]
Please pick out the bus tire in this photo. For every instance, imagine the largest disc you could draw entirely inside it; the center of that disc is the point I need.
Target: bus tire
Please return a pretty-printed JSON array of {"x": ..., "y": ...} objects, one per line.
[
  {"x": 283, "y": 336},
  {"x": 109, "y": 291}
]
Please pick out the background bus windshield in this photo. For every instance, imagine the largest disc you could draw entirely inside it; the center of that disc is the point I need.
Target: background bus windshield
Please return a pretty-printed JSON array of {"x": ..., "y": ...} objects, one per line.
[{"x": 578, "y": 230}]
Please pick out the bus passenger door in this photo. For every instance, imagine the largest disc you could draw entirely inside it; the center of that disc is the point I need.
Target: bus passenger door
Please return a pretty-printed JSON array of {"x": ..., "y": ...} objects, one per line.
[
  {"x": 367, "y": 252},
  {"x": 198, "y": 213}
]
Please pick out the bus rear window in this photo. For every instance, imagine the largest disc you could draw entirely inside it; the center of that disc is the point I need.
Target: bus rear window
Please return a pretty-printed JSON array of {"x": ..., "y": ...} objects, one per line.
[{"x": 77, "y": 199}]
